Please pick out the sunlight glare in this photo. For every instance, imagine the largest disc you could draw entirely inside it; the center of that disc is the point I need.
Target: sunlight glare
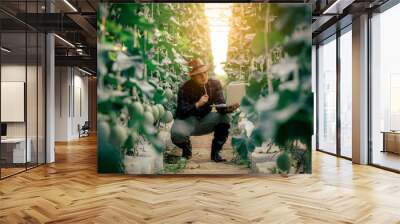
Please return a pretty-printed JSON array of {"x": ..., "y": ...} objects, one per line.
[{"x": 218, "y": 15}]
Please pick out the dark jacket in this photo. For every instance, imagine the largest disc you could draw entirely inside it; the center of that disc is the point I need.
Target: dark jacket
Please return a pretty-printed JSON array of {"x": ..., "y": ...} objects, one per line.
[{"x": 190, "y": 92}]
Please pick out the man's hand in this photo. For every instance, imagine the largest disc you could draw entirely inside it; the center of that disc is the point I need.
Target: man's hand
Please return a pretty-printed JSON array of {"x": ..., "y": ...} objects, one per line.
[
  {"x": 202, "y": 101},
  {"x": 232, "y": 108}
]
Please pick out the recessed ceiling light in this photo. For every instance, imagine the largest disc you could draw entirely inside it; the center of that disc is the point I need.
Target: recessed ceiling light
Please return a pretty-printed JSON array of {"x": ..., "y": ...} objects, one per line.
[
  {"x": 64, "y": 40},
  {"x": 338, "y": 6},
  {"x": 5, "y": 50},
  {"x": 70, "y": 5},
  {"x": 84, "y": 71}
]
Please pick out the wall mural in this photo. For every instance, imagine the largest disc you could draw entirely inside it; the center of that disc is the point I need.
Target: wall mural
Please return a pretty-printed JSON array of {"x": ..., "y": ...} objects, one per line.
[{"x": 195, "y": 88}]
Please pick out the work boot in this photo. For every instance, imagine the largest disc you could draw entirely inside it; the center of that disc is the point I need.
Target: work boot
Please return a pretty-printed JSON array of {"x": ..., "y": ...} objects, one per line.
[
  {"x": 221, "y": 133},
  {"x": 216, "y": 157},
  {"x": 186, "y": 147}
]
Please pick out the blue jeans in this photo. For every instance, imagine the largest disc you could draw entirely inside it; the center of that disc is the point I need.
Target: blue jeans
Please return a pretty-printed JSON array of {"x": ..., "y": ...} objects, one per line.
[{"x": 192, "y": 126}]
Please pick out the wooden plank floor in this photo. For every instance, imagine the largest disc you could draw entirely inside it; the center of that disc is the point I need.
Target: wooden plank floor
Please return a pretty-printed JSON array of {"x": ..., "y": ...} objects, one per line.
[{"x": 70, "y": 191}]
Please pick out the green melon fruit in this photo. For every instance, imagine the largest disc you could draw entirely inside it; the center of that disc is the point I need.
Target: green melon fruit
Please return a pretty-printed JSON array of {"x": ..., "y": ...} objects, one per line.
[
  {"x": 169, "y": 94},
  {"x": 148, "y": 117},
  {"x": 161, "y": 110},
  {"x": 118, "y": 135},
  {"x": 283, "y": 162},
  {"x": 167, "y": 117},
  {"x": 127, "y": 101},
  {"x": 135, "y": 136},
  {"x": 136, "y": 108},
  {"x": 148, "y": 108},
  {"x": 104, "y": 130},
  {"x": 132, "y": 139},
  {"x": 156, "y": 113}
]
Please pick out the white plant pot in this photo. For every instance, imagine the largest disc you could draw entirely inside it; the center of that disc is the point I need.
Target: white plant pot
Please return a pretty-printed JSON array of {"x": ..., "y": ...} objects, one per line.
[
  {"x": 132, "y": 164},
  {"x": 139, "y": 165},
  {"x": 147, "y": 162},
  {"x": 147, "y": 165},
  {"x": 165, "y": 136},
  {"x": 158, "y": 164},
  {"x": 265, "y": 168}
]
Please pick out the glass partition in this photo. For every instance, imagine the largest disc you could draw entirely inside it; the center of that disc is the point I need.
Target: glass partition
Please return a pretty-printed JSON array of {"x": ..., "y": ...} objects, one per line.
[
  {"x": 41, "y": 96},
  {"x": 32, "y": 97},
  {"x": 13, "y": 108},
  {"x": 346, "y": 93},
  {"x": 327, "y": 96},
  {"x": 22, "y": 78},
  {"x": 385, "y": 89}
]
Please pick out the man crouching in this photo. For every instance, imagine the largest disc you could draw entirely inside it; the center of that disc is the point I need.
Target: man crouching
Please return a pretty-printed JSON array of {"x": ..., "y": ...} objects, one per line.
[{"x": 193, "y": 115}]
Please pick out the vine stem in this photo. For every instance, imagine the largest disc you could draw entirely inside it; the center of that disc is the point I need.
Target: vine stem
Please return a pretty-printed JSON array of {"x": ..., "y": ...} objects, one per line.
[{"x": 267, "y": 59}]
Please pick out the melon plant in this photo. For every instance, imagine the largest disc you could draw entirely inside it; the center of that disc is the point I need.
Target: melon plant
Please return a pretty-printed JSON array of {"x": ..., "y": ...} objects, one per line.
[
  {"x": 104, "y": 129},
  {"x": 283, "y": 162},
  {"x": 270, "y": 49},
  {"x": 143, "y": 51}
]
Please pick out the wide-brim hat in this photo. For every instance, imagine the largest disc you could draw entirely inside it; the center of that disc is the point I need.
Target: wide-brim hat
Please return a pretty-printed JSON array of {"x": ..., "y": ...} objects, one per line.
[{"x": 198, "y": 67}]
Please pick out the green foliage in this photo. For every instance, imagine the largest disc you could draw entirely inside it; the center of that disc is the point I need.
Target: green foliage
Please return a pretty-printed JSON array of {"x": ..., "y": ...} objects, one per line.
[
  {"x": 243, "y": 145},
  {"x": 246, "y": 39},
  {"x": 175, "y": 165},
  {"x": 239, "y": 161},
  {"x": 270, "y": 48},
  {"x": 258, "y": 43},
  {"x": 142, "y": 60},
  {"x": 283, "y": 162}
]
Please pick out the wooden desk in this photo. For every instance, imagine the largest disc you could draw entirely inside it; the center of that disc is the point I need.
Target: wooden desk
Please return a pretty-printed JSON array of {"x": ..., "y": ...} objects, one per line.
[{"x": 391, "y": 141}]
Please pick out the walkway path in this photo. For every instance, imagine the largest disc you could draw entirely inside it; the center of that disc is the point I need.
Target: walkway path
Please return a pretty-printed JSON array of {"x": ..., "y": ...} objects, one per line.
[{"x": 201, "y": 163}]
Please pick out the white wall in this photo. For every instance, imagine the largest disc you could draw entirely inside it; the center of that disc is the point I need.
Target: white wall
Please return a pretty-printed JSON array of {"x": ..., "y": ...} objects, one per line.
[
  {"x": 70, "y": 83},
  {"x": 12, "y": 73},
  {"x": 16, "y": 73},
  {"x": 61, "y": 103},
  {"x": 81, "y": 89}
]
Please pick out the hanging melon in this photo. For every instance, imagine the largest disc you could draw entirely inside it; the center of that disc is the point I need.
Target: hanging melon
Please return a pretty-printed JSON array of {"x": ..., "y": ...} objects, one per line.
[
  {"x": 118, "y": 135},
  {"x": 161, "y": 110},
  {"x": 136, "y": 108},
  {"x": 148, "y": 108},
  {"x": 104, "y": 129},
  {"x": 169, "y": 94},
  {"x": 148, "y": 117},
  {"x": 167, "y": 117},
  {"x": 156, "y": 113}
]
